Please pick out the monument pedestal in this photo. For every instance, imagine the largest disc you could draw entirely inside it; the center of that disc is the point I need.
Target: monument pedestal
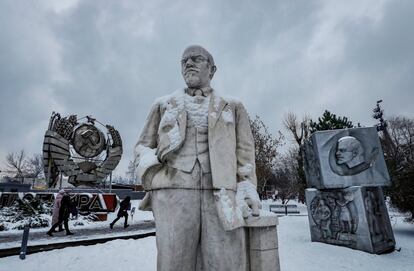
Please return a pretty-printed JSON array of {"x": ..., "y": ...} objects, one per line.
[{"x": 262, "y": 249}]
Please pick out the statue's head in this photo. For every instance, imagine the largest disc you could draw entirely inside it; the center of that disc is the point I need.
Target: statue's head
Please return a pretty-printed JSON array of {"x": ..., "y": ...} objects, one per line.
[
  {"x": 197, "y": 67},
  {"x": 349, "y": 152}
]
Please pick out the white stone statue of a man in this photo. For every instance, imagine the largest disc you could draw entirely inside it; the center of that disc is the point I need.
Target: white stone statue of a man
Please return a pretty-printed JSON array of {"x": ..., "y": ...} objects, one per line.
[{"x": 195, "y": 157}]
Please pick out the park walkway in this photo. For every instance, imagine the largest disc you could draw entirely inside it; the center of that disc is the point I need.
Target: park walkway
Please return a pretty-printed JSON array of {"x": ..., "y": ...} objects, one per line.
[{"x": 40, "y": 241}]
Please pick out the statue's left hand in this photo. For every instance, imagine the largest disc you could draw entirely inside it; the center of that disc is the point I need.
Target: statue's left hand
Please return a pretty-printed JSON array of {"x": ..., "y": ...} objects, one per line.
[{"x": 247, "y": 199}]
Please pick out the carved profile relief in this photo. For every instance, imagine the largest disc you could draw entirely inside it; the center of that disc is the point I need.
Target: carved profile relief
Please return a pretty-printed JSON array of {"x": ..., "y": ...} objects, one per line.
[
  {"x": 350, "y": 155},
  {"x": 332, "y": 157},
  {"x": 349, "y": 152}
]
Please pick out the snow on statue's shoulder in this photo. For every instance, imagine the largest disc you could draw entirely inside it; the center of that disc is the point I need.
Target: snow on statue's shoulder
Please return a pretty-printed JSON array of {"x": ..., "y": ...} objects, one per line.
[
  {"x": 231, "y": 99},
  {"x": 176, "y": 95}
]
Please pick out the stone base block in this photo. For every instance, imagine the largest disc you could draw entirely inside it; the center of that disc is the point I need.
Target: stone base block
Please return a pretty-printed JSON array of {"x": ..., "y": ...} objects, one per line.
[
  {"x": 262, "y": 250},
  {"x": 264, "y": 260},
  {"x": 355, "y": 217}
]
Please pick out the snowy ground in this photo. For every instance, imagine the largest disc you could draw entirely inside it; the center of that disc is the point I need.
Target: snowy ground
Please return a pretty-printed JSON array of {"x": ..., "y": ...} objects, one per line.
[
  {"x": 139, "y": 216},
  {"x": 85, "y": 234},
  {"x": 296, "y": 250},
  {"x": 89, "y": 230}
]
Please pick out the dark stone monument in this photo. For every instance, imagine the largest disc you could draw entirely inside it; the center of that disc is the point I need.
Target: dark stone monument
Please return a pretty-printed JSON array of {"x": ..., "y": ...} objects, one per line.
[{"x": 345, "y": 170}]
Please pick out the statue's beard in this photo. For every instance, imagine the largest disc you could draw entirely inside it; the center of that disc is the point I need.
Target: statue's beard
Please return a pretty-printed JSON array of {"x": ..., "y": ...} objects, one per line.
[{"x": 192, "y": 80}]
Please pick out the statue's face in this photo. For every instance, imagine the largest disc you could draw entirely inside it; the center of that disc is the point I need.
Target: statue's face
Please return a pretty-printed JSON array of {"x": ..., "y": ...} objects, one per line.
[
  {"x": 195, "y": 67},
  {"x": 344, "y": 152}
]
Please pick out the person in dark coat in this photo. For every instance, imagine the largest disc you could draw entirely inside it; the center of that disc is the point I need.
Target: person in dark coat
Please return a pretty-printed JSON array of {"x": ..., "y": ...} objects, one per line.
[
  {"x": 64, "y": 212},
  {"x": 123, "y": 212}
]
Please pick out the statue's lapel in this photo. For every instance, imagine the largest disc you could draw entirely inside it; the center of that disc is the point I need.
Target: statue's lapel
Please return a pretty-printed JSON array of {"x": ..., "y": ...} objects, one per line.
[
  {"x": 175, "y": 117},
  {"x": 216, "y": 107},
  {"x": 177, "y": 106},
  {"x": 182, "y": 123}
]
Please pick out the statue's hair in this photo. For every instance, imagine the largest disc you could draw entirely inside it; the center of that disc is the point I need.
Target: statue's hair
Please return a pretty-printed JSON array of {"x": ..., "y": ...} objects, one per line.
[{"x": 354, "y": 144}]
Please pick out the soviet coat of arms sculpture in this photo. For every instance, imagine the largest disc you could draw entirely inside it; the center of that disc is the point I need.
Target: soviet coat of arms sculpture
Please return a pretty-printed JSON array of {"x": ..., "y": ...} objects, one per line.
[{"x": 79, "y": 151}]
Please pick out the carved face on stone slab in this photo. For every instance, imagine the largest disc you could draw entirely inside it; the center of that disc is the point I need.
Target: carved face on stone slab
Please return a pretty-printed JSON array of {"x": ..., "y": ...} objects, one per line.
[
  {"x": 345, "y": 157},
  {"x": 349, "y": 152},
  {"x": 197, "y": 67}
]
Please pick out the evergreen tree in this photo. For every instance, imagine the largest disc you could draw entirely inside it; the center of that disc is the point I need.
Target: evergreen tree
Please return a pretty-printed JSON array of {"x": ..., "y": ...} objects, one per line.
[{"x": 330, "y": 121}]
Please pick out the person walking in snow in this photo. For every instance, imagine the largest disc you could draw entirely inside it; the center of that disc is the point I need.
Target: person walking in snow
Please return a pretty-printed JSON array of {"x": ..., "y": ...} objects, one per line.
[
  {"x": 56, "y": 207},
  {"x": 123, "y": 212},
  {"x": 64, "y": 212}
]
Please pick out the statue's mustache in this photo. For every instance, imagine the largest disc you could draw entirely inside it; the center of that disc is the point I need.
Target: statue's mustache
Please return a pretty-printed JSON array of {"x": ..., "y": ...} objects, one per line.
[{"x": 190, "y": 70}]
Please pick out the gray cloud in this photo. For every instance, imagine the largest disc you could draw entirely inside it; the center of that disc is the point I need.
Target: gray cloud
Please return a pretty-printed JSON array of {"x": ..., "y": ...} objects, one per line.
[{"x": 112, "y": 59}]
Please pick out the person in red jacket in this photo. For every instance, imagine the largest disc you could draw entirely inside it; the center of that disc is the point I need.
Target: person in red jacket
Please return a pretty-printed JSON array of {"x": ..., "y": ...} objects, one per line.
[{"x": 64, "y": 212}]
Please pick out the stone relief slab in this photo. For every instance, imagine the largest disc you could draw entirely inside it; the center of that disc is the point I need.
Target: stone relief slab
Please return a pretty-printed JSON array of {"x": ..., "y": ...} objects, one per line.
[
  {"x": 382, "y": 236},
  {"x": 354, "y": 217},
  {"x": 344, "y": 158}
]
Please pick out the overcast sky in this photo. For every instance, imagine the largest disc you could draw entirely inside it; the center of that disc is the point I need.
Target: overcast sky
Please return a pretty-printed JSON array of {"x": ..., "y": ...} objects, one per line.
[{"x": 112, "y": 59}]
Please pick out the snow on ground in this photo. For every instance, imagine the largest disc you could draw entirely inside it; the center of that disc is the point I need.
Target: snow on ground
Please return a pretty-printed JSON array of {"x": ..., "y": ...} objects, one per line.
[
  {"x": 80, "y": 235},
  {"x": 125, "y": 255},
  {"x": 296, "y": 250},
  {"x": 81, "y": 223}
]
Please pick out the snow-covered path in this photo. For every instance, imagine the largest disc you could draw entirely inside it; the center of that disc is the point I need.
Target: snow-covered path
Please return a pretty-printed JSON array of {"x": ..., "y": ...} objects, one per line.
[
  {"x": 296, "y": 253},
  {"x": 41, "y": 238}
]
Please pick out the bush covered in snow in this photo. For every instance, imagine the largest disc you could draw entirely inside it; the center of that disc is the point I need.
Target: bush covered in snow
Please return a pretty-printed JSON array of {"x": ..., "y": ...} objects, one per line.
[{"x": 35, "y": 213}]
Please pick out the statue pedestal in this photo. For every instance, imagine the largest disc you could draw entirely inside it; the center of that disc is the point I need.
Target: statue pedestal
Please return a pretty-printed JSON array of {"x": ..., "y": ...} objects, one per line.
[{"x": 262, "y": 243}]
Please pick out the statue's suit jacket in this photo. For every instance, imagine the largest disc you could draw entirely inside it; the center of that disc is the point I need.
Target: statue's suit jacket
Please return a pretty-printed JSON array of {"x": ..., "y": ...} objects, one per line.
[{"x": 231, "y": 144}]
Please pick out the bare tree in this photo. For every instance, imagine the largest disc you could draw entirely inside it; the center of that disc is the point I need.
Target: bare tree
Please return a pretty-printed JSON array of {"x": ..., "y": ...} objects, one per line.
[
  {"x": 16, "y": 163},
  {"x": 266, "y": 152},
  {"x": 401, "y": 131},
  {"x": 300, "y": 132},
  {"x": 286, "y": 179},
  {"x": 20, "y": 166},
  {"x": 398, "y": 144},
  {"x": 34, "y": 166},
  {"x": 298, "y": 129}
]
